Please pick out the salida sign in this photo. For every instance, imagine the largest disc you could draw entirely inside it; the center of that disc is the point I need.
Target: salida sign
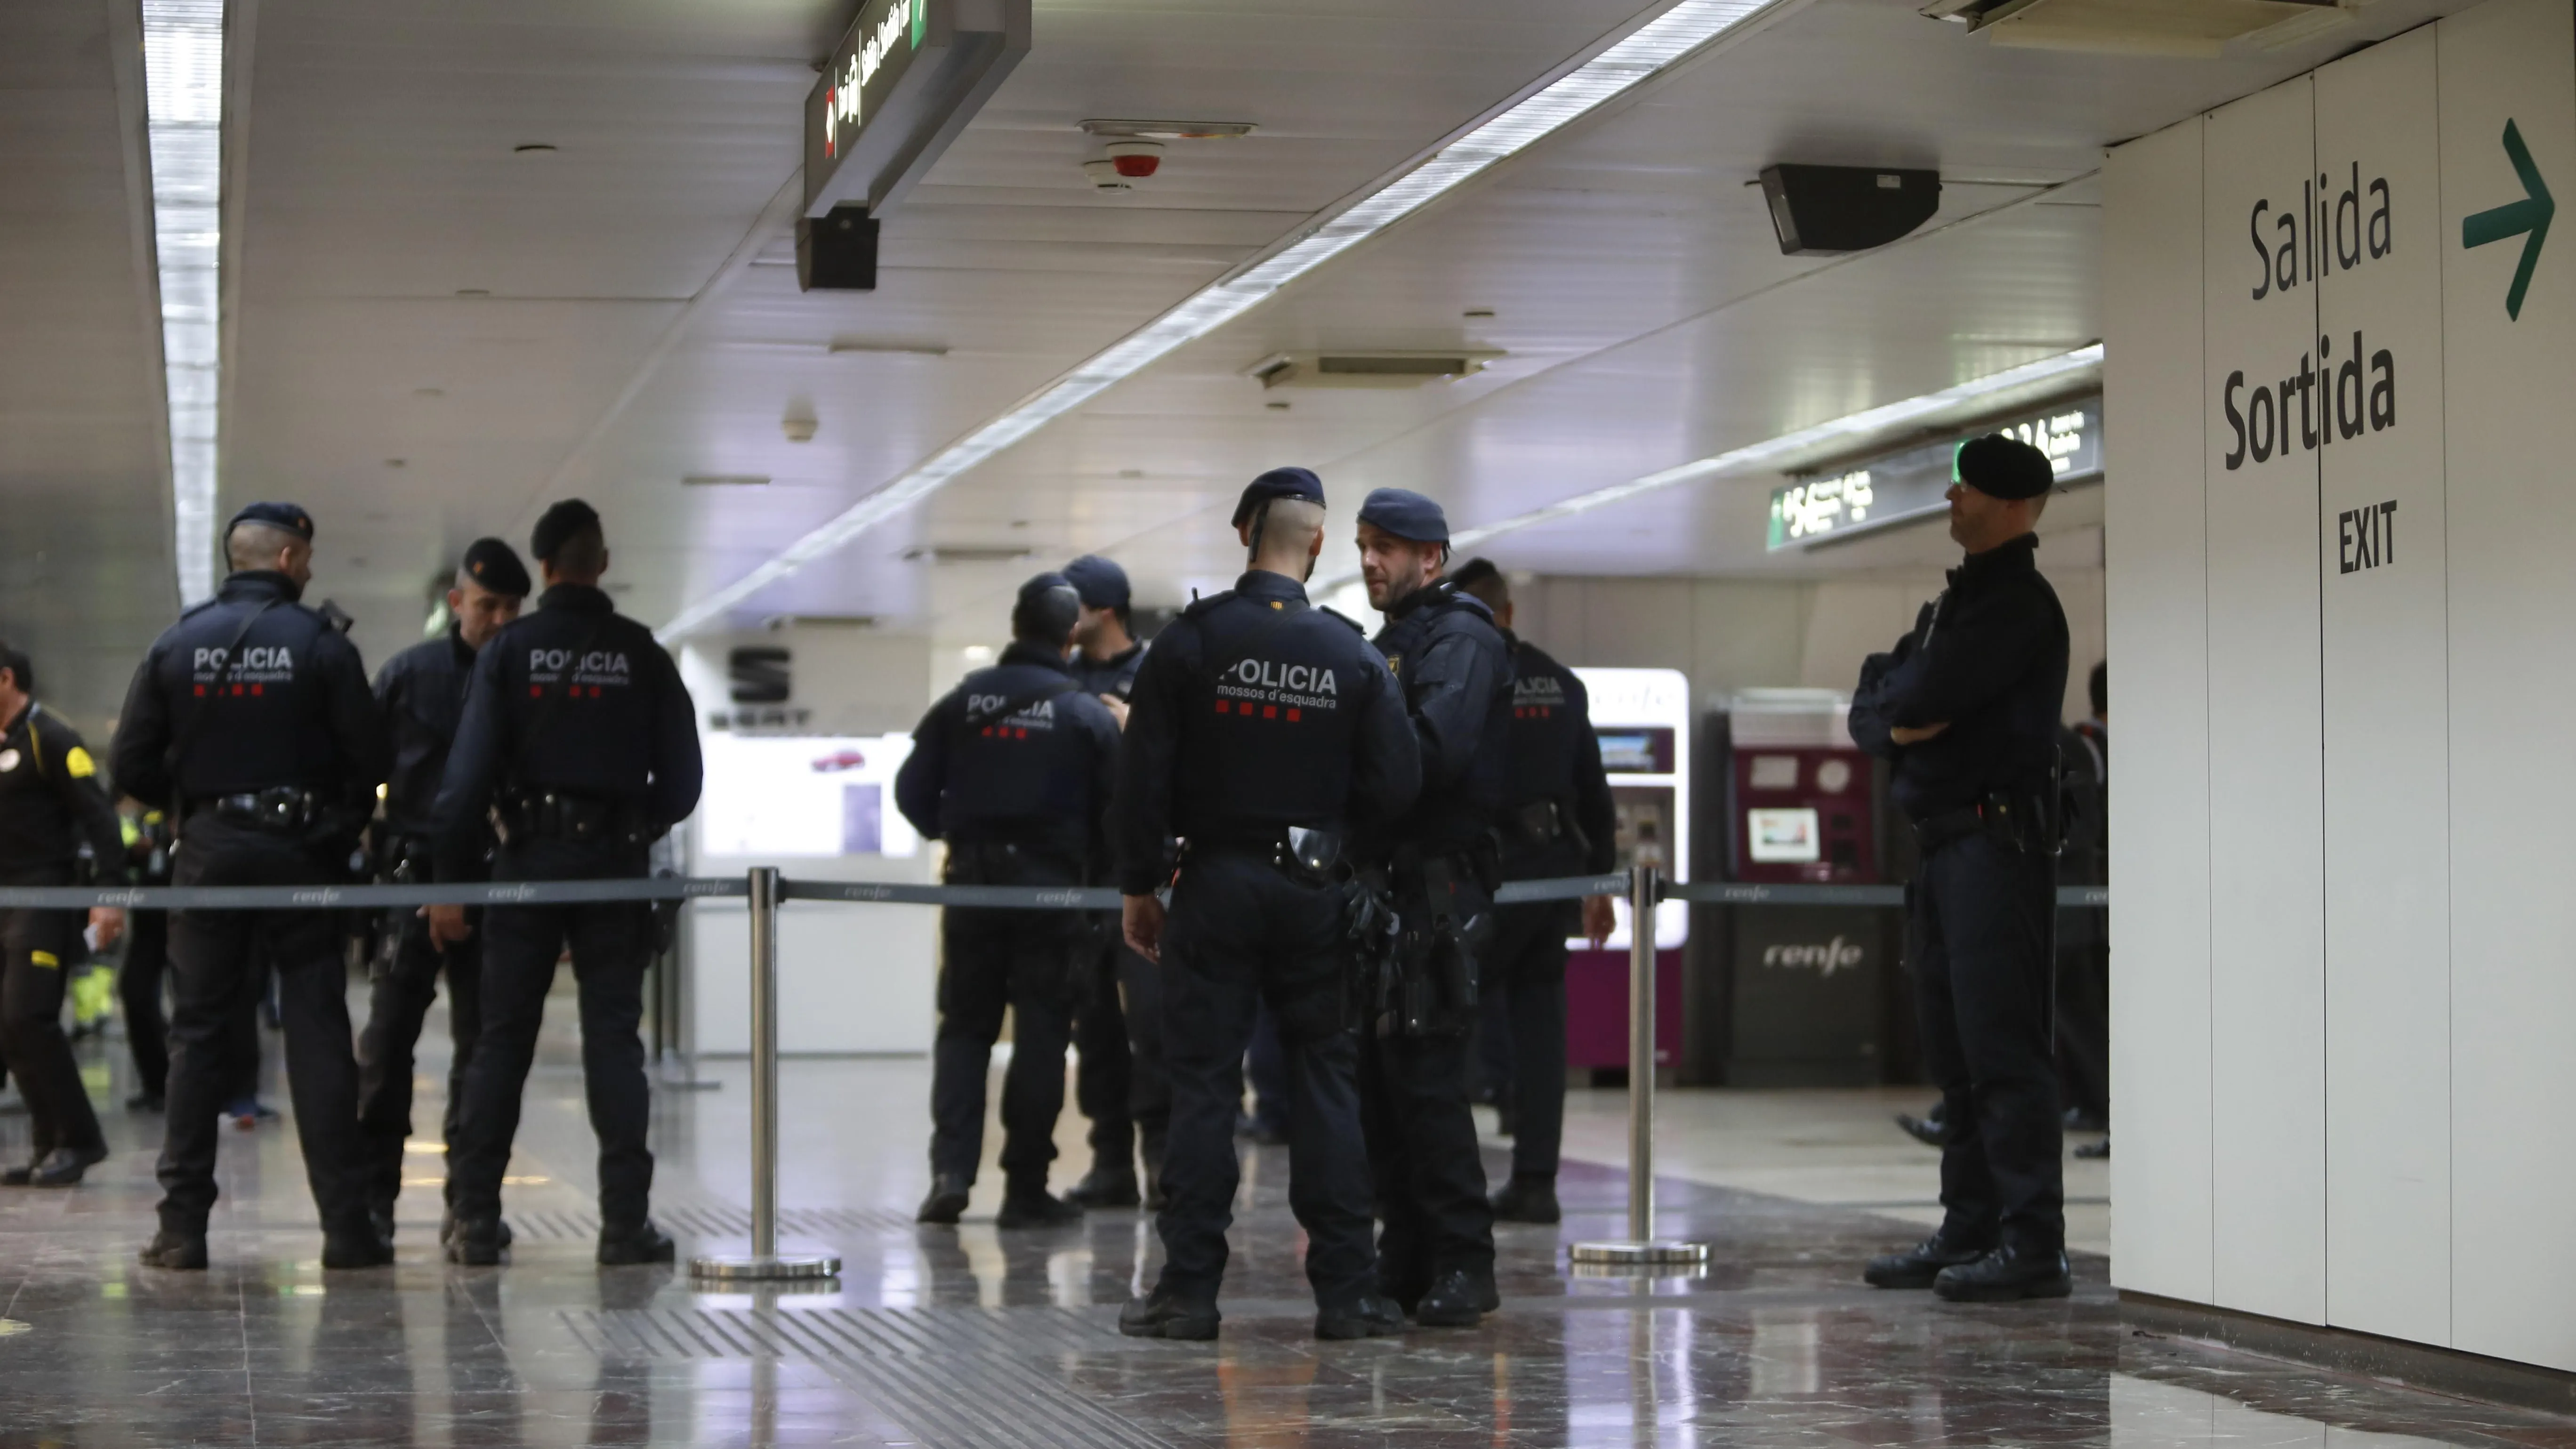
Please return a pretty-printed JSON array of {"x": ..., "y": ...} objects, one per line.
[{"x": 2340, "y": 388}]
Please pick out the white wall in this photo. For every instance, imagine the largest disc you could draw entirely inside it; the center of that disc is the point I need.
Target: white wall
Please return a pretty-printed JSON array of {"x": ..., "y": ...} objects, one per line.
[{"x": 2343, "y": 980}]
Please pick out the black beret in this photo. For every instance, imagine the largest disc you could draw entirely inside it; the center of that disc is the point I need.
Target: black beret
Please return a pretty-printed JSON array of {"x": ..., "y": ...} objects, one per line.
[
  {"x": 2002, "y": 467},
  {"x": 494, "y": 565},
  {"x": 1406, "y": 514},
  {"x": 1298, "y": 483},
  {"x": 1043, "y": 584},
  {"x": 276, "y": 515},
  {"x": 1102, "y": 584},
  {"x": 559, "y": 523}
]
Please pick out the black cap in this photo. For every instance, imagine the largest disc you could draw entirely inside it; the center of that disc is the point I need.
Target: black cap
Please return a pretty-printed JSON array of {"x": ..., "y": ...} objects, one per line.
[
  {"x": 2007, "y": 468},
  {"x": 276, "y": 515},
  {"x": 1042, "y": 584},
  {"x": 1406, "y": 514},
  {"x": 495, "y": 565},
  {"x": 1102, "y": 584},
  {"x": 559, "y": 523},
  {"x": 1298, "y": 483}
]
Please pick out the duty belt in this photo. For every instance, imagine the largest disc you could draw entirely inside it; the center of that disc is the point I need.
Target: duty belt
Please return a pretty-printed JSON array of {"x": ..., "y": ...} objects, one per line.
[
  {"x": 1310, "y": 857},
  {"x": 280, "y": 808},
  {"x": 561, "y": 815},
  {"x": 2014, "y": 822}
]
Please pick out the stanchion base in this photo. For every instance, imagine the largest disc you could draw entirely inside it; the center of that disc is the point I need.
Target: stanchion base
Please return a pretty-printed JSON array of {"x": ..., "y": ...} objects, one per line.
[
  {"x": 1654, "y": 1253},
  {"x": 764, "y": 1270}
]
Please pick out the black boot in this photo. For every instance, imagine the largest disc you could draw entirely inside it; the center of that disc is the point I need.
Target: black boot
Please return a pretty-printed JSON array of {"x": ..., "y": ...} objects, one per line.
[
  {"x": 635, "y": 1243},
  {"x": 183, "y": 1252},
  {"x": 947, "y": 1200},
  {"x": 355, "y": 1245},
  {"x": 2007, "y": 1275},
  {"x": 1369, "y": 1315},
  {"x": 64, "y": 1165},
  {"x": 1107, "y": 1186},
  {"x": 447, "y": 1229},
  {"x": 380, "y": 1216},
  {"x": 1527, "y": 1200},
  {"x": 1034, "y": 1207},
  {"x": 1459, "y": 1298},
  {"x": 1929, "y": 1129},
  {"x": 1165, "y": 1314},
  {"x": 1917, "y": 1266},
  {"x": 476, "y": 1243}
]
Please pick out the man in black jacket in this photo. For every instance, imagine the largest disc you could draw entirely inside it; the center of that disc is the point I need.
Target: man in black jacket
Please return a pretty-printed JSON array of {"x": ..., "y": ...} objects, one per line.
[
  {"x": 578, "y": 729},
  {"x": 51, "y": 804},
  {"x": 1967, "y": 708},
  {"x": 1264, "y": 729},
  {"x": 1436, "y": 1251},
  {"x": 1013, "y": 768},
  {"x": 250, "y": 723},
  {"x": 422, "y": 692},
  {"x": 1557, "y": 820}
]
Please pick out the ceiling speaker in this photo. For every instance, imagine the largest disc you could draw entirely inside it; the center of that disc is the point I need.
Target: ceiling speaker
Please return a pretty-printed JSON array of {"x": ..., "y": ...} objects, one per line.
[
  {"x": 837, "y": 251},
  {"x": 1846, "y": 208}
]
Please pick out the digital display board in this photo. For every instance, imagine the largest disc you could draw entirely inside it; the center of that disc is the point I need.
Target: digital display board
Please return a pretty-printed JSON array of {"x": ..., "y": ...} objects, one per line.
[{"x": 1915, "y": 482}]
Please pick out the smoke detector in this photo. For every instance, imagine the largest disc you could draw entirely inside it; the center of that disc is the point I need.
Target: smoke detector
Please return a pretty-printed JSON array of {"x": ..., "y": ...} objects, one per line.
[{"x": 1104, "y": 176}]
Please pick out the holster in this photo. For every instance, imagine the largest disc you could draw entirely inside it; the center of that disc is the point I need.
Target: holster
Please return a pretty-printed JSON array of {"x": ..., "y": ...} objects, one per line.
[{"x": 1429, "y": 988}]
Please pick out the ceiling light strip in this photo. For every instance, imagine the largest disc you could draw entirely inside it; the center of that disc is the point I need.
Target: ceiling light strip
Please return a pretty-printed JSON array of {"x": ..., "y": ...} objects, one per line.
[
  {"x": 1653, "y": 47},
  {"x": 1772, "y": 454},
  {"x": 183, "y": 70}
]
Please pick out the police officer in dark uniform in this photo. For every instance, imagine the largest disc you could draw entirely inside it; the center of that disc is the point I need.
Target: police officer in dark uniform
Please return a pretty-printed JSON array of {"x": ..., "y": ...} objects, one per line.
[
  {"x": 1118, "y": 1081},
  {"x": 1967, "y": 708},
  {"x": 251, "y": 725},
  {"x": 1557, "y": 820},
  {"x": 1436, "y": 1251},
  {"x": 579, "y": 733},
  {"x": 1013, "y": 768},
  {"x": 1263, "y": 729},
  {"x": 51, "y": 804},
  {"x": 422, "y": 692}
]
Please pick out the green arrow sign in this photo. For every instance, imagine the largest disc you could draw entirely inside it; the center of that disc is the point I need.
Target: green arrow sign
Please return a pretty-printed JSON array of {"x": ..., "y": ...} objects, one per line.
[{"x": 2514, "y": 218}]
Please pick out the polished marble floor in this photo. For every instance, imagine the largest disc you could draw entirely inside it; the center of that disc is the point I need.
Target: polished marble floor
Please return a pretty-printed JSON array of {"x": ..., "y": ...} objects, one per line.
[{"x": 975, "y": 1337}]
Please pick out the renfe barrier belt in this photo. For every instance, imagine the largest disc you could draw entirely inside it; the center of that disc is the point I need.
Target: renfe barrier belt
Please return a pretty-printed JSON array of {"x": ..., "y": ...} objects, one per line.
[{"x": 1009, "y": 898}]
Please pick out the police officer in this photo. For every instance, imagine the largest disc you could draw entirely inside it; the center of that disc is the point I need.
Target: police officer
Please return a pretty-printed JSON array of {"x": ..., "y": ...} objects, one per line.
[
  {"x": 250, "y": 723},
  {"x": 1118, "y": 1079},
  {"x": 1263, "y": 729},
  {"x": 1967, "y": 708},
  {"x": 1557, "y": 821},
  {"x": 50, "y": 805},
  {"x": 578, "y": 731},
  {"x": 1436, "y": 1252},
  {"x": 422, "y": 692},
  {"x": 1013, "y": 768}
]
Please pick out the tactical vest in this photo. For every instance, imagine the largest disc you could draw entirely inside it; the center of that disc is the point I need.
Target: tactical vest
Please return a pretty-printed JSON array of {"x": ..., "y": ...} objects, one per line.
[
  {"x": 248, "y": 715},
  {"x": 1270, "y": 720},
  {"x": 1014, "y": 754}
]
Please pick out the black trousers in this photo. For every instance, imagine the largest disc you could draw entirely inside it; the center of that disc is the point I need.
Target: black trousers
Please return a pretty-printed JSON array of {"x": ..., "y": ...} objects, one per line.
[
  {"x": 215, "y": 959},
  {"x": 1104, "y": 1078},
  {"x": 2084, "y": 1021},
  {"x": 1525, "y": 972},
  {"x": 1414, "y": 1094},
  {"x": 1979, "y": 929},
  {"x": 1149, "y": 1082},
  {"x": 138, "y": 994},
  {"x": 1033, "y": 964},
  {"x": 398, "y": 1000},
  {"x": 38, "y": 950},
  {"x": 1241, "y": 935},
  {"x": 610, "y": 942}
]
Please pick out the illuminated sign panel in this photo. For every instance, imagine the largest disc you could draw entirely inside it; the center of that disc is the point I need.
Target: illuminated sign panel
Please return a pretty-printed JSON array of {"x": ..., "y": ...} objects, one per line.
[
  {"x": 1914, "y": 483},
  {"x": 898, "y": 89}
]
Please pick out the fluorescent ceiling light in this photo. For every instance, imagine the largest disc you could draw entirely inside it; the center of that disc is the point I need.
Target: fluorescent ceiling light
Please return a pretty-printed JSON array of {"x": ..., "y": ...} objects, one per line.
[
  {"x": 1650, "y": 49},
  {"x": 1775, "y": 453},
  {"x": 183, "y": 69}
]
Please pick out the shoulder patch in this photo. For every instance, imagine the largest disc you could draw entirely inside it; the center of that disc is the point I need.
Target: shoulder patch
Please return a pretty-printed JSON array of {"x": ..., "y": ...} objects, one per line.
[{"x": 78, "y": 764}]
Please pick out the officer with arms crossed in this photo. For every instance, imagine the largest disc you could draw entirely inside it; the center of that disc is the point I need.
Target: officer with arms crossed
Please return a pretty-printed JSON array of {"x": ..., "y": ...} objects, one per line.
[
  {"x": 1263, "y": 729},
  {"x": 50, "y": 805},
  {"x": 422, "y": 692},
  {"x": 577, "y": 727},
  {"x": 1967, "y": 709},
  {"x": 1436, "y": 1253},
  {"x": 251, "y": 725},
  {"x": 1557, "y": 821},
  {"x": 1013, "y": 768},
  {"x": 1118, "y": 1081}
]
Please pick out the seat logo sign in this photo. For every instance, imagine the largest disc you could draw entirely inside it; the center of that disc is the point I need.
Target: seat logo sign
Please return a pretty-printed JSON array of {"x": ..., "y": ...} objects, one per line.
[{"x": 903, "y": 23}]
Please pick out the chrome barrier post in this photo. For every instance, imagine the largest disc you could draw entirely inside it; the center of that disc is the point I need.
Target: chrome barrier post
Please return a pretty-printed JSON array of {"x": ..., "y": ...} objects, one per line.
[
  {"x": 1641, "y": 1249},
  {"x": 765, "y": 1264}
]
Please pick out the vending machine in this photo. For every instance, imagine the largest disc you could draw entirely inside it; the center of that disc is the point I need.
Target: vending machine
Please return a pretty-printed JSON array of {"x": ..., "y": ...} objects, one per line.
[
  {"x": 1807, "y": 988},
  {"x": 1643, "y": 720}
]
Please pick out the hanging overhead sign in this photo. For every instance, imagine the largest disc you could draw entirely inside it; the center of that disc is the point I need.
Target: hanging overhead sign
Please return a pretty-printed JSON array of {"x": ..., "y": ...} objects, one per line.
[
  {"x": 1915, "y": 482},
  {"x": 898, "y": 89}
]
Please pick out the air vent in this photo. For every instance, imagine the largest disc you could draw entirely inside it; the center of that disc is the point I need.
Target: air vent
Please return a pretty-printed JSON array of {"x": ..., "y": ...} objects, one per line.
[
  {"x": 1367, "y": 369},
  {"x": 726, "y": 480},
  {"x": 2188, "y": 28},
  {"x": 778, "y": 622},
  {"x": 944, "y": 554}
]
